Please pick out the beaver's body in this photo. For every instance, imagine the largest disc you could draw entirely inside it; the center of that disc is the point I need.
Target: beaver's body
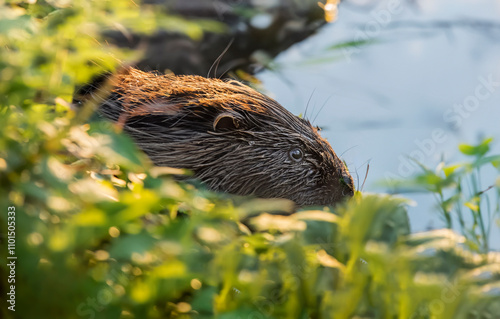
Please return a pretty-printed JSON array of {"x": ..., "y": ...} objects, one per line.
[{"x": 233, "y": 138}]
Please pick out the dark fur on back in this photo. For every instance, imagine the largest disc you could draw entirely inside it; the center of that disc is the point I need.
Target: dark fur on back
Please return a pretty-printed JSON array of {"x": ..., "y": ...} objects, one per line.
[{"x": 233, "y": 138}]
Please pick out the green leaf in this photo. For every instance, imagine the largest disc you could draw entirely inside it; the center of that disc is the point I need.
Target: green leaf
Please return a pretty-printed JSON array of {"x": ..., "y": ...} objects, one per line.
[
  {"x": 476, "y": 150},
  {"x": 126, "y": 245},
  {"x": 450, "y": 169},
  {"x": 349, "y": 44}
]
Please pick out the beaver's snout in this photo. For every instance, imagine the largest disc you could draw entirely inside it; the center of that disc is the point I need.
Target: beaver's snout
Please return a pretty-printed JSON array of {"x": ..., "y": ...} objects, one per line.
[
  {"x": 349, "y": 184},
  {"x": 233, "y": 138}
]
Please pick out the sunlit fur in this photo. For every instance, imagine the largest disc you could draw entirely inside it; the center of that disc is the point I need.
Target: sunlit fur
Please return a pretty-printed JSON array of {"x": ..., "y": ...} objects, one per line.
[{"x": 233, "y": 138}]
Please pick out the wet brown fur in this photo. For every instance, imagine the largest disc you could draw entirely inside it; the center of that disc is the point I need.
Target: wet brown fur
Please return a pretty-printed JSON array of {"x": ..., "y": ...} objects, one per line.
[{"x": 233, "y": 138}]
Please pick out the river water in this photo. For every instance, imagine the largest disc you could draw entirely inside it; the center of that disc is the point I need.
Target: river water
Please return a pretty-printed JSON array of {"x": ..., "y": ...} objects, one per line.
[{"x": 427, "y": 79}]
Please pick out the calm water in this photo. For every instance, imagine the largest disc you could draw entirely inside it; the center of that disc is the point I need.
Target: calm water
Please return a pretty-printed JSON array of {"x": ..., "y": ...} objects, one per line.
[{"x": 430, "y": 81}]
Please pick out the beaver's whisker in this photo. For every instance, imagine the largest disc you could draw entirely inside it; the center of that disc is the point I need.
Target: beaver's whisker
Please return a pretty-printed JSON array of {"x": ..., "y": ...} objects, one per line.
[
  {"x": 347, "y": 150},
  {"x": 357, "y": 176},
  {"x": 366, "y": 176},
  {"x": 321, "y": 108},
  {"x": 308, "y": 103},
  {"x": 219, "y": 58}
]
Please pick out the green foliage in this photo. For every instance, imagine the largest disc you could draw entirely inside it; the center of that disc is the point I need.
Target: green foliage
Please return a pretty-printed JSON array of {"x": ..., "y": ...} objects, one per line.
[
  {"x": 48, "y": 46},
  {"x": 101, "y": 233},
  {"x": 460, "y": 194}
]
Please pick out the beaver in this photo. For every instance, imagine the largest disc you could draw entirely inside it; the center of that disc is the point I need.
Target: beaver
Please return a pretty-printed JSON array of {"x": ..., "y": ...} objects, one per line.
[{"x": 233, "y": 138}]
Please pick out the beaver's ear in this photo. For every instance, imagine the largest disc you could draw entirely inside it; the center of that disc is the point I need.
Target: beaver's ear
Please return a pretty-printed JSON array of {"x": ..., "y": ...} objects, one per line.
[{"x": 226, "y": 121}]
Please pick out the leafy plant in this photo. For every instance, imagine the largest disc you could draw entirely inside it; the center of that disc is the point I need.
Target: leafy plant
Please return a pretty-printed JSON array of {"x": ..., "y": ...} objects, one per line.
[{"x": 461, "y": 196}]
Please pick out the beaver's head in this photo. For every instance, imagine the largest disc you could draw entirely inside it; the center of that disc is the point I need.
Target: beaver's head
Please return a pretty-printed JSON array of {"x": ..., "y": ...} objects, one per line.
[{"x": 233, "y": 138}]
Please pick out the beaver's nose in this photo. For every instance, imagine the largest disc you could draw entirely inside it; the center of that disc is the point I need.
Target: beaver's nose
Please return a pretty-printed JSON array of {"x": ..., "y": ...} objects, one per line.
[{"x": 348, "y": 181}]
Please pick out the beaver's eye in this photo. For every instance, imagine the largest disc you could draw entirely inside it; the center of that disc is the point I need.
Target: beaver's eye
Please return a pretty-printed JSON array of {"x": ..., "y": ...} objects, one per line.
[{"x": 296, "y": 154}]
